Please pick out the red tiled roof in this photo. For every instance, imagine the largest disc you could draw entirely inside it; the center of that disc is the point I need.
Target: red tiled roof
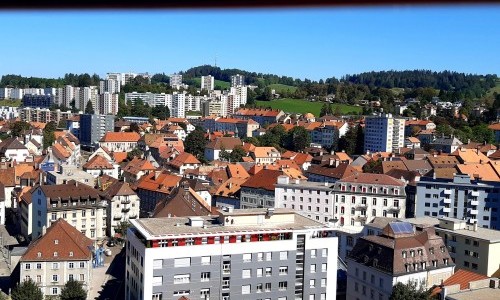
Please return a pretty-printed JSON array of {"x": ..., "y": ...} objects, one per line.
[
  {"x": 62, "y": 240},
  {"x": 97, "y": 163},
  {"x": 461, "y": 277},
  {"x": 265, "y": 179},
  {"x": 163, "y": 183},
  {"x": 119, "y": 156},
  {"x": 184, "y": 158},
  {"x": 120, "y": 137},
  {"x": 372, "y": 179},
  {"x": 258, "y": 112}
]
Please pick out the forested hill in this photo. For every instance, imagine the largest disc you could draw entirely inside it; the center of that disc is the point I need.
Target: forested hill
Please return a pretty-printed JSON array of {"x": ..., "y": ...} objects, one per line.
[{"x": 446, "y": 80}]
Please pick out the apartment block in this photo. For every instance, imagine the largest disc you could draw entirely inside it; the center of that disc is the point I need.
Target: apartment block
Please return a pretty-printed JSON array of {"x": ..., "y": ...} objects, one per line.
[
  {"x": 93, "y": 128},
  {"x": 109, "y": 85},
  {"x": 361, "y": 197},
  {"x": 237, "y": 80},
  {"x": 207, "y": 83},
  {"x": 80, "y": 204},
  {"x": 471, "y": 247},
  {"x": 384, "y": 133},
  {"x": 403, "y": 253},
  {"x": 178, "y": 105},
  {"x": 472, "y": 200},
  {"x": 313, "y": 199},
  {"x": 237, "y": 254},
  {"x": 42, "y": 101},
  {"x": 176, "y": 81},
  {"x": 108, "y": 104}
]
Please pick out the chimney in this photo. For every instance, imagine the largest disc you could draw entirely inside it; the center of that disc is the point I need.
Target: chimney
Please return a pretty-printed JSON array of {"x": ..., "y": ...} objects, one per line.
[
  {"x": 44, "y": 230},
  {"x": 474, "y": 226},
  {"x": 157, "y": 173}
]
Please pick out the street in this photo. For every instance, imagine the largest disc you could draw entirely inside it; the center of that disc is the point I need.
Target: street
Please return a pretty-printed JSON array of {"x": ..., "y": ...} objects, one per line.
[{"x": 107, "y": 281}]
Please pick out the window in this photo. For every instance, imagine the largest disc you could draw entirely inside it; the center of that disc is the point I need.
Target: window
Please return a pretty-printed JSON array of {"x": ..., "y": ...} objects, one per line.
[
  {"x": 55, "y": 266},
  {"x": 269, "y": 271},
  {"x": 282, "y": 285},
  {"x": 71, "y": 265},
  {"x": 283, "y": 255},
  {"x": 156, "y": 296},
  {"x": 157, "y": 280},
  {"x": 247, "y": 257},
  {"x": 268, "y": 287},
  {"x": 157, "y": 263},
  {"x": 474, "y": 266},
  {"x": 323, "y": 267},
  {"x": 182, "y": 262},
  {"x": 259, "y": 288},
  {"x": 182, "y": 278},
  {"x": 246, "y": 273},
  {"x": 82, "y": 264},
  {"x": 259, "y": 272},
  {"x": 205, "y": 293},
  {"x": 82, "y": 277},
  {"x": 245, "y": 289},
  {"x": 205, "y": 276},
  {"x": 313, "y": 253},
  {"x": 38, "y": 278},
  {"x": 38, "y": 266},
  {"x": 205, "y": 260},
  {"x": 313, "y": 268},
  {"x": 55, "y": 291},
  {"x": 323, "y": 282},
  {"x": 283, "y": 270},
  {"x": 260, "y": 256},
  {"x": 268, "y": 256},
  {"x": 381, "y": 282},
  {"x": 27, "y": 266},
  {"x": 55, "y": 278},
  {"x": 324, "y": 252},
  {"x": 312, "y": 283}
]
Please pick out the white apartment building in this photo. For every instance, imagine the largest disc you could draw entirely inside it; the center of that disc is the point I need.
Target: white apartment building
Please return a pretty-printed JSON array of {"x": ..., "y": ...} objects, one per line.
[
  {"x": 361, "y": 197},
  {"x": 108, "y": 104},
  {"x": 8, "y": 112},
  {"x": 16, "y": 93},
  {"x": 81, "y": 205},
  {"x": 176, "y": 81},
  {"x": 383, "y": 133},
  {"x": 239, "y": 254},
  {"x": 84, "y": 94},
  {"x": 402, "y": 253},
  {"x": 207, "y": 83},
  {"x": 34, "y": 91},
  {"x": 178, "y": 109},
  {"x": 5, "y": 93},
  {"x": 109, "y": 85},
  {"x": 237, "y": 80},
  {"x": 214, "y": 107},
  {"x": 125, "y": 78},
  {"x": 240, "y": 91},
  {"x": 312, "y": 199}
]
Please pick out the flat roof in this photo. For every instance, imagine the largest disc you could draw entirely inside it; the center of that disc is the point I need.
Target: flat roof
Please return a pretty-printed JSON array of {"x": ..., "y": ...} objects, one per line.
[
  {"x": 486, "y": 234},
  {"x": 175, "y": 226},
  {"x": 480, "y": 294}
]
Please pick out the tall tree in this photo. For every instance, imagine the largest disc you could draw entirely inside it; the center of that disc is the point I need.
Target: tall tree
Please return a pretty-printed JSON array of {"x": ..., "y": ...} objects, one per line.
[
  {"x": 360, "y": 140},
  {"x": 73, "y": 290},
  {"x": 89, "y": 109},
  {"x": 18, "y": 127},
  {"x": 347, "y": 143},
  {"x": 409, "y": 291},
  {"x": 195, "y": 143},
  {"x": 298, "y": 139},
  {"x": 237, "y": 154},
  {"x": 161, "y": 112},
  {"x": 27, "y": 290},
  {"x": 48, "y": 134}
]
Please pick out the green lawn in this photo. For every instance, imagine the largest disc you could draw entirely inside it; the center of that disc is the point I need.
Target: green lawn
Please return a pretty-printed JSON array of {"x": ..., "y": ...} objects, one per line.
[
  {"x": 6, "y": 102},
  {"x": 279, "y": 88},
  {"x": 302, "y": 106}
]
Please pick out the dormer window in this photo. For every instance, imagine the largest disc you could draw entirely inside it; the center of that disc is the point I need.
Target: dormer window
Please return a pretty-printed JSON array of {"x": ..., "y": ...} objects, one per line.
[
  {"x": 404, "y": 254},
  {"x": 39, "y": 254},
  {"x": 55, "y": 254},
  {"x": 412, "y": 253},
  {"x": 420, "y": 252},
  {"x": 56, "y": 242},
  {"x": 431, "y": 250},
  {"x": 71, "y": 253}
]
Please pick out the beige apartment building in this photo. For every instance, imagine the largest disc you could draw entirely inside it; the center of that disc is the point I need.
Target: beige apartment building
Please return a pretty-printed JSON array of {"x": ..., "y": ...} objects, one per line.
[
  {"x": 61, "y": 254},
  {"x": 472, "y": 248}
]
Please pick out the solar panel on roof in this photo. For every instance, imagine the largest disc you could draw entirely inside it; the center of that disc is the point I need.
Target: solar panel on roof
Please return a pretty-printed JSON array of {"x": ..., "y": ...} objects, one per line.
[{"x": 401, "y": 227}]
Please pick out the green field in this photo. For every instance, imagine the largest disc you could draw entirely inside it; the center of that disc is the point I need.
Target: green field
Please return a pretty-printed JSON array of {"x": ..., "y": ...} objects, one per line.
[
  {"x": 15, "y": 103},
  {"x": 279, "y": 88},
  {"x": 302, "y": 106},
  {"x": 495, "y": 89}
]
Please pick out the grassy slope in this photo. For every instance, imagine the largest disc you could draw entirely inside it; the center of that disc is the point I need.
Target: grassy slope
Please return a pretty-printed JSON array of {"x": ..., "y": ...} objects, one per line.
[
  {"x": 15, "y": 103},
  {"x": 302, "y": 106},
  {"x": 222, "y": 84},
  {"x": 279, "y": 88}
]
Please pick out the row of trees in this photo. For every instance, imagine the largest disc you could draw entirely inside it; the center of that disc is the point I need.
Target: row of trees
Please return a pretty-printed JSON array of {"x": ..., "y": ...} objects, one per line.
[
  {"x": 80, "y": 80},
  {"x": 139, "y": 108}
]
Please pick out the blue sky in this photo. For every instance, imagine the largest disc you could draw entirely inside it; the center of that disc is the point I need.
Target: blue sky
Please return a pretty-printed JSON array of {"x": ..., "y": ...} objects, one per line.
[{"x": 302, "y": 43}]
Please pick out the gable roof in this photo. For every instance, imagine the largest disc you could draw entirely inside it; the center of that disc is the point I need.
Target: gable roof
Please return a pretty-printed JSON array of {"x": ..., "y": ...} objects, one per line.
[
  {"x": 370, "y": 178},
  {"x": 61, "y": 239},
  {"x": 97, "y": 162},
  {"x": 120, "y": 137},
  {"x": 137, "y": 165},
  {"x": 265, "y": 179},
  {"x": 11, "y": 144},
  {"x": 160, "y": 181},
  {"x": 341, "y": 171},
  {"x": 70, "y": 190},
  {"x": 182, "y": 202},
  {"x": 227, "y": 143},
  {"x": 483, "y": 171},
  {"x": 461, "y": 277},
  {"x": 184, "y": 158},
  {"x": 264, "y": 151},
  {"x": 470, "y": 156}
]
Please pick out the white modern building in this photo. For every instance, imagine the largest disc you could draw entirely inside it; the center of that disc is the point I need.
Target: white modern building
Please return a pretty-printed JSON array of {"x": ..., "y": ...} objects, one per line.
[
  {"x": 384, "y": 133},
  {"x": 108, "y": 104},
  {"x": 85, "y": 94},
  {"x": 178, "y": 109},
  {"x": 207, "y": 83},
  {"x": 239, "y": 254},
  {"x": 176, "y": 81},
  {"x": 109, "y": 85},
  {"x": 237, "y": 80}
]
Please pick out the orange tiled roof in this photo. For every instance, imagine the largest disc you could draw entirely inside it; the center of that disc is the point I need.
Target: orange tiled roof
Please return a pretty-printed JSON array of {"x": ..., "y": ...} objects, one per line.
[
  {"x": 163, "y": 183},
  {"x": 67, "y": 241},
  {"x": 121, "y": 137},
  {"x": 184, "y": 158},
  {"x": 119, "y": 156},
  {"x": 461, "y": 277},
  {"x": 97, "y": 162},
  {"x": 470, "y": 156},
  {"x": 237, "y": 170},
  {"x": 495, "y": 126},
  {"x": 138, "y": 164},
  {"x": 483, "y": 171},
  {"x": 258, "y": 112}
]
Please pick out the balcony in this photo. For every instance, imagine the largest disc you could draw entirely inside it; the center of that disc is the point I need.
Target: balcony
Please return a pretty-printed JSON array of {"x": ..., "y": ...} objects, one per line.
[
  {"x": 474, "y": 202},
  {"x": 126, "y": 209},
  {"x": 132, "y": 216},
  {"x": 125, "y": 201},
  {"x": 473, "y": 212},
  {"x": 446, "y": 209},
  {"x": 360, "y": 206},
  {"x": 472, "y": 220},
  {"x": 394, "y": 208},
  {"x": 447, "y": 192},
  {"x": 447, "y": 201},
  {"x": 117, "y": 217},
  {"x": 474, "y": 193}
]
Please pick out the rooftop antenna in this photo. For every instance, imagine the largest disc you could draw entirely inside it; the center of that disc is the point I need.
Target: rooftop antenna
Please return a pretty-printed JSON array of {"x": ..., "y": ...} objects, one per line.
[{"x": 215, "y": 59}]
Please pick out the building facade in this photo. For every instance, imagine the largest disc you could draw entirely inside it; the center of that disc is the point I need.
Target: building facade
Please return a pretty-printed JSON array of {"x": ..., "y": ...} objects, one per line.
[
  {"x": 384, "y": 133},
  {"x": 239, "y": 254},
  {"x": 93, "y": 127}
]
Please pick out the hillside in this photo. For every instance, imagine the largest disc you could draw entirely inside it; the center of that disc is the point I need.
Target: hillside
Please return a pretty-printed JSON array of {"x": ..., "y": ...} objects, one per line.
[
  {"x": 279, "y": 88},
  {"x": 302, "y": 106}
]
